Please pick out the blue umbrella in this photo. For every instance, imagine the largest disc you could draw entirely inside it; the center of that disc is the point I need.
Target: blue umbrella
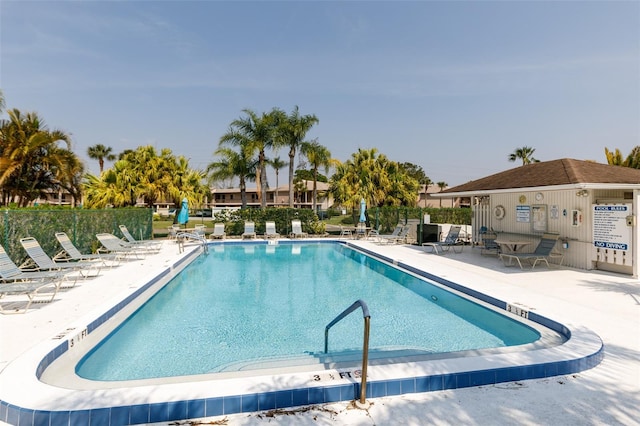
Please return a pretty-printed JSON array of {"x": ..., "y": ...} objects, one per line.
[
  {"x": 363, "y": 207},
  {"x": 183, "y": 216}
]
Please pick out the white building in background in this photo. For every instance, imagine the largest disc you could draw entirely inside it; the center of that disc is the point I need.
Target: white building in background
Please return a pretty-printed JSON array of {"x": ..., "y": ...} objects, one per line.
[{"x": 276, "y": 197}]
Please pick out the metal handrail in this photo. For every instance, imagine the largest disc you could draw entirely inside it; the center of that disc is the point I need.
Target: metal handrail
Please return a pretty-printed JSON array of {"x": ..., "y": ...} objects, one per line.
[
  {"x": 181, "y": 236},
  {"x": 365, "y": 346}
]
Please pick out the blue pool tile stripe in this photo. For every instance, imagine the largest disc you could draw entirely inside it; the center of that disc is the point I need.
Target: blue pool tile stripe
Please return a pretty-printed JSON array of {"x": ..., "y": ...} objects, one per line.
[{"x": 180, "y": 410}]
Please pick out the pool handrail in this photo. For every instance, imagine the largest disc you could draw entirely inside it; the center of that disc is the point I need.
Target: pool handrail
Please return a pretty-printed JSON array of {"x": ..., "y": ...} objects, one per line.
[{"x": 365, "y": 345}]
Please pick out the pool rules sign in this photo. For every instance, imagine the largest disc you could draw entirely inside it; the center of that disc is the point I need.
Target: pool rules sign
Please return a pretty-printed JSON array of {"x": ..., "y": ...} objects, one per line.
[{"x": 612, "y": 233}]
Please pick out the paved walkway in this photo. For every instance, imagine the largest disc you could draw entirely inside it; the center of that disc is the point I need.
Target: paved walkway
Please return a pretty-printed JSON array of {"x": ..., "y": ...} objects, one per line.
[{"x": 608, "y": 304}]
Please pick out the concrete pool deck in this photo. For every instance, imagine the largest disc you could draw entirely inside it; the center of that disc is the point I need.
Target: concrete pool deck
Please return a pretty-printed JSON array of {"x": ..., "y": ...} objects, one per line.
[{"x": 608, "y": 304}]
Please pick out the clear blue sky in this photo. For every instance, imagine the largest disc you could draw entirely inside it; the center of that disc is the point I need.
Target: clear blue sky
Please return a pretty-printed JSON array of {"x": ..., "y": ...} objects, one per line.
[{"x": 453, "y": 87}]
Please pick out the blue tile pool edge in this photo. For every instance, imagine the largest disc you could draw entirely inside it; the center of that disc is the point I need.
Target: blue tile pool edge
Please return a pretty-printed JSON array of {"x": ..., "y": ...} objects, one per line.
[{"x": 250, "y": 402}]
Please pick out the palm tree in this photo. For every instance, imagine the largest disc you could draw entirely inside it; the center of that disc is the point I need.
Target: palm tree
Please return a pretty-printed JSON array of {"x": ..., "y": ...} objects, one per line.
[
  {"x": 234, "y": 164},
  {"x": 614, "y": 158},
  {"x": 31, "y": 161},
  {"x": 100, "y": 152},
  {"x": 442, "y": 186},
  {"x": 318, "y": 156},
  {"x": 372, "y": 176},
  {"x": 277, "y": 164},
  {"x": 525, "y": 154},
  {"x": 257, "y": 133},
  {"x": 145, "y": 173},
  {"x": 291, "y": 132}
]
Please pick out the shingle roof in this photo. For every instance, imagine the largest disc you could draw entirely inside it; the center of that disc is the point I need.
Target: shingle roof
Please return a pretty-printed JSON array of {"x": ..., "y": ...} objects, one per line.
[{"x": 566, "y": 171}]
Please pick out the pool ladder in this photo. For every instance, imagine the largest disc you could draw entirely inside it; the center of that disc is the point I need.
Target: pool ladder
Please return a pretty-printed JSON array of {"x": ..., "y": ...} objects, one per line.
[
  {"x": 362, "y": 403},
  {"x": 192, "y": 236}
]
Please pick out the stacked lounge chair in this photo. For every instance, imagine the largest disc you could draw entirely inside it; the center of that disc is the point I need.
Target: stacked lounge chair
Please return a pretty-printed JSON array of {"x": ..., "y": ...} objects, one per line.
[
  {"x": 36, "y": 286},
  {"x": 40, "y": 261}
]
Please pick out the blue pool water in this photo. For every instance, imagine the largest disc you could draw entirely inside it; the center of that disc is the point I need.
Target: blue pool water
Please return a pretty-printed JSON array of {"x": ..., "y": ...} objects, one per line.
[{"x": 253, "y": 302}]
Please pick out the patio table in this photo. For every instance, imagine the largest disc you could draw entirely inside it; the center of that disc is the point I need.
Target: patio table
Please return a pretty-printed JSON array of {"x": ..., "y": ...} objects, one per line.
[{"x": 513, "y": 245}]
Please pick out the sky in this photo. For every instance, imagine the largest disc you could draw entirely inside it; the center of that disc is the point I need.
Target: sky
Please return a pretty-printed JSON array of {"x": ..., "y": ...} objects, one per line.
[{"x": 451, "y": 86}]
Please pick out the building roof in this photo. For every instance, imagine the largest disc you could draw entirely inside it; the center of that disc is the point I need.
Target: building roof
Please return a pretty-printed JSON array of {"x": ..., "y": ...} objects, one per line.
[{"x": 565, "y": 172}]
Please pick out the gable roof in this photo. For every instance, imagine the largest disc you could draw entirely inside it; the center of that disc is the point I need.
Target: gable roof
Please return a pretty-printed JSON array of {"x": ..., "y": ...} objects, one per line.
[{"x": 565, "y": 172}]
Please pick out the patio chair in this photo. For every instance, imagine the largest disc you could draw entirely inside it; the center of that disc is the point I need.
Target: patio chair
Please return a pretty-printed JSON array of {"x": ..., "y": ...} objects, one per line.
[
  {"x": 360, "y": 231},
  {"x": 296, "y": 230},
  {"x": 249, "y": 230},
  {"x": 70, "y": 252},
  {"x": 218, "y": 231},
  {"x": 489, "y": 245},
  {"x": 450, "y": 241},
  {"x": 173, "y": 231},
  {"x": 40, "y": 261},
  {"x": 542, "y": 253},
  {"x": 200, "y": 229},
  {"x": 382, "y": 237},
  {"x": 399, "y": 238},
  {"x": 345, "y": 232},
  {"x": 270, "y": 230},
  {"x": 149, "y": 244}
]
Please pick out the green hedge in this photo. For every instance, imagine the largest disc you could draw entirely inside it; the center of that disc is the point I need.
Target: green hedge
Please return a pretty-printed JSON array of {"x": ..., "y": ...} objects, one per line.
[
  {"x": 234, "y": 220},
  {"x": 386, "y": 218},
  {"x": 81, "y": 225}
]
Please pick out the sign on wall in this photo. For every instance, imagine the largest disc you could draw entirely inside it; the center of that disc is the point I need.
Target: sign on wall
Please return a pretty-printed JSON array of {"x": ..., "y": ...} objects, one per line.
[
  {"x": 523, "y": 213},
  {"x": 610, "y": 229}
]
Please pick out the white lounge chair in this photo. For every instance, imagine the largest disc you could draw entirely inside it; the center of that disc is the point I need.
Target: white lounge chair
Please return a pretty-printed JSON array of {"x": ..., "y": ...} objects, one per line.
[
  {"x": 40, "y": 261},
  {"x": 10, "y": 272},
  {"x": 218, "y": 231},
  {"x": 450, "y": 241},
  {"x": 149, "y": 244},
  {"x": 70, "y": 252},
  {"x": 296, "y": 230},
  {"x": 35, "y": 291},
  {"x": 36, "y": 286},
  {"x": 249, "y": 230},
  {"x": 270, "y": 230},
  {"x": 114, "y": 245}
]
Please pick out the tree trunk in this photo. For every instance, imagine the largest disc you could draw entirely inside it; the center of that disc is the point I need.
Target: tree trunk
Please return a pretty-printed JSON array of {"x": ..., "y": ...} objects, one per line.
[{"x": 292, "y": 156}]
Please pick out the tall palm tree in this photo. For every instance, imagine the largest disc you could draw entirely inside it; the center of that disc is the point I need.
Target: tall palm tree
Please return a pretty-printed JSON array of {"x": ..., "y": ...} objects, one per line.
[
  {"x": 100, "y": 152},
  {"x": 318, "y": 156},
  {"x": 277, "y": 164},
  {"x": 442, "y": 186},
  {"x": 292, "y": 132},
  {"x": 257, "y": 133},
  {"x": 525, "y": 154}
]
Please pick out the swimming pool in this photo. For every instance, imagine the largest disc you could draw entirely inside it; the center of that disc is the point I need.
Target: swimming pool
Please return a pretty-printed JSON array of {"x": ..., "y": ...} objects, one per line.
[
  {"x": 242, "y": 309},
  {"x": 48, "y": 395}
]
